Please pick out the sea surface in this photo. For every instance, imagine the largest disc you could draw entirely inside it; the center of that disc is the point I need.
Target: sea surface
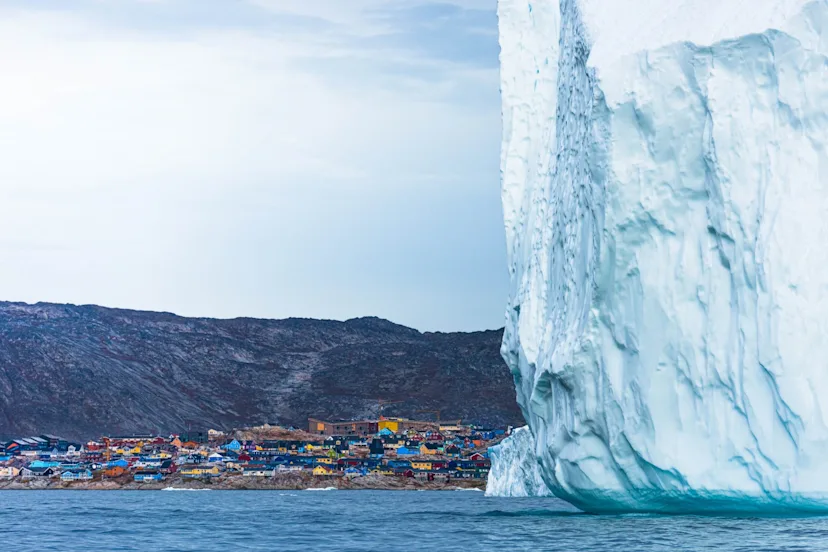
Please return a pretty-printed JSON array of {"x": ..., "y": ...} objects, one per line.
[{"x": 366, "y": 521}]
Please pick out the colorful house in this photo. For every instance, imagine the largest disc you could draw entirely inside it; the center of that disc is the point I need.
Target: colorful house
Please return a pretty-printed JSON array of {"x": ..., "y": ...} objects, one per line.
[
  {"x": 76, "y": 475},
  {"x": 9, "y": 472},
  {"x": 453, "y": 450},
  {"x": 215, "y": 457},
  {"x": 322, "y": 470},
  {"x": 34, "y": 473},
  {"x": 421, "y": 465},
  {"x": 258, "y": 471},
  {"x": 148, "y": 476},
  {"x": 43, "y": 464},
  {"x": 429, "y": 449},
  {"x": 114, "y": 471},
  {"x": 199, "y": 470},
  {"x": 391, "y": 426}
]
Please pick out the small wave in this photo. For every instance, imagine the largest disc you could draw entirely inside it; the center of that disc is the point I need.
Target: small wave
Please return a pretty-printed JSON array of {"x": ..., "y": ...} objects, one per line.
[
  {"x": 532, "y": 513},
  {"x": 175, "y": 489},
  {"x": 475, "y": 490},
  {"x": 322, "y": 489},
  {"x": 499, "y": 514}
]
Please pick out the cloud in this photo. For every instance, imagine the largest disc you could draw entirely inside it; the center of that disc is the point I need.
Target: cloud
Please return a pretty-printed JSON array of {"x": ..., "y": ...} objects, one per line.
[
  {"x": 177, "y": 16},
  {"x": 441, "y": 31},
  {"x": 252, "y": 158}
]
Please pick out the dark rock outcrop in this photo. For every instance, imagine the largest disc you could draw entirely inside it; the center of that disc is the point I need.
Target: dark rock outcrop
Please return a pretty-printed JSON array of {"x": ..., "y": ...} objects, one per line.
[{"x": 79, "y": 371}]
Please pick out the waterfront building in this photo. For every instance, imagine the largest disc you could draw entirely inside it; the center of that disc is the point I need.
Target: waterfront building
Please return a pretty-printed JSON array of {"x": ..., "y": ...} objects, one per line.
[
  {"x": 9, "y": 472},
  {"x": 76, "y": 475},
  {"x": 148, "y": 476}
]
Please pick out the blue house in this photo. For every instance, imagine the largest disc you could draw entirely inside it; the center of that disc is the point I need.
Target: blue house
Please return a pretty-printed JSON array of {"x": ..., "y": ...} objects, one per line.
[
  {"x": 76, "y": 475},
  {"x": 233, "y": 445},
  {"x": 44, "y": 464},
  {"x": 405, "y": 451},
  {"x": 148, "y": 476}
]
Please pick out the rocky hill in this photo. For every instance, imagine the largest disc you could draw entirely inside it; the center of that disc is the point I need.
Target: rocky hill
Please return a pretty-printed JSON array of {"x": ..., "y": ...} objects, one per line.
[{"x": 79, "y": 371}]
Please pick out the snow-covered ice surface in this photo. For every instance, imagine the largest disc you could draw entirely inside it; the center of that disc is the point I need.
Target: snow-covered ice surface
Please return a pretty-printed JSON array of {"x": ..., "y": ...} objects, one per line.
[
  {"x": 665, "y": 191},
  {"x": 515, "y": 470}
]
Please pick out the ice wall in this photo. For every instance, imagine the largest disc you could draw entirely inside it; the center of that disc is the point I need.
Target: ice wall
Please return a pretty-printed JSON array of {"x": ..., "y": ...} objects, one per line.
[
  {"x": 515, "y": 470},
  {"x": 665, "y": 192}
]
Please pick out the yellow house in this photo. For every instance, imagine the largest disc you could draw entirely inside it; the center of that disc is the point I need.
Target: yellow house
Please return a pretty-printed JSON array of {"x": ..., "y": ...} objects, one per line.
[
  {"x": 136, "y": 449},
  {"x": 322, "y": 470},
  {"x": 195, "y": 471},
  {"x": 451, "y": 428},
  {"x": 420, "y": 465},
  {"x": 176, "y": 442},
  {"x": 391, "y": 425},
  {"x": 426, "y": 451},
  {"x": 324, "y": 460}
]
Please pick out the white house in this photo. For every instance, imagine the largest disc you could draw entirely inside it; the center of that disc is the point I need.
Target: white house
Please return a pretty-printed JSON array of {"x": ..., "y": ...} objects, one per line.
[
  {"x": 259, "y": 472},
  {"x": 9, "y": 472}
]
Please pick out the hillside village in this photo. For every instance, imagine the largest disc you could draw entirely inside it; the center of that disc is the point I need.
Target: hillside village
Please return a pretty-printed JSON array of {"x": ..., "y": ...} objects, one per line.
[{"x": 328, "y": 453}]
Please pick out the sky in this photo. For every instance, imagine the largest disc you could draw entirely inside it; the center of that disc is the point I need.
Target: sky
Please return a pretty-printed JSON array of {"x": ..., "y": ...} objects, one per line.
[{"x": 265, "y": 158}]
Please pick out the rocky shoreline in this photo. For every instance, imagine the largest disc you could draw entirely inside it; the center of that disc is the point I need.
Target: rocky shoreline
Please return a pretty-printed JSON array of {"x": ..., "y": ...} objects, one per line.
[{"x": 281, "y": 482}]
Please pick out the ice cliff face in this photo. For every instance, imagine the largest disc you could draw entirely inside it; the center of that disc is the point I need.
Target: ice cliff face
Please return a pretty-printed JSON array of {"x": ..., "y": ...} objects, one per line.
[
  {"x": 665, "y": 190},
  {"x": 515, "y": 470}
]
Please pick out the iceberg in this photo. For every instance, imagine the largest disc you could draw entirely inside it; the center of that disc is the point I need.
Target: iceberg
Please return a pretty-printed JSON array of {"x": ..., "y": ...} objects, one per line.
[
  {"x": 665, "y": 196},
  {"x": 515, "y": 471}
]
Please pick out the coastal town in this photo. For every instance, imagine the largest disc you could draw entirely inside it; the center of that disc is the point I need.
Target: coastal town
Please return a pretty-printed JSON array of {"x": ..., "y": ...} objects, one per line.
[{"x": 378, "y": 453}]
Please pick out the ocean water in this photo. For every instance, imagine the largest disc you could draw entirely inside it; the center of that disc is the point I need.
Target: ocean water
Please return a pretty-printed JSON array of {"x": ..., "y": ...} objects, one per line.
[{"x": 366, "y": 521}]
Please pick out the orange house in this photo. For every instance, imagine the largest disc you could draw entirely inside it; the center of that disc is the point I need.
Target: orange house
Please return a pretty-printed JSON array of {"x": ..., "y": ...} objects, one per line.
[{"x": 115, "y": 471}]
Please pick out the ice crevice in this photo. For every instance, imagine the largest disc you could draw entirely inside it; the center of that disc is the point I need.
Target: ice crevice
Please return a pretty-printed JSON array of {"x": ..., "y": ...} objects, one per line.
[{"x": 665, "y": 184}]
